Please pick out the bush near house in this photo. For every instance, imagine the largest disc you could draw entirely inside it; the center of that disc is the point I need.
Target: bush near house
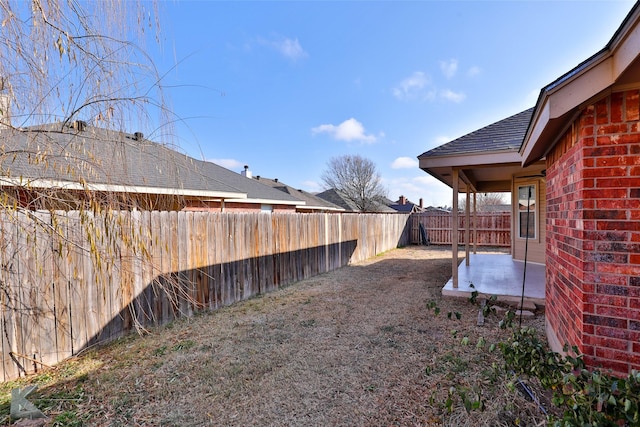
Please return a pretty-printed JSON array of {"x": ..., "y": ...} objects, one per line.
[{"x": 587, "y": 398}]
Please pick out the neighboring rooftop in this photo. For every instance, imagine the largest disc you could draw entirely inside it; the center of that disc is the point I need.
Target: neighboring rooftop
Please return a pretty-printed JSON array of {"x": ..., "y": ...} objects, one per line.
[
  {"x": 338, "y": 198},
  {"x": 312, "y": 202},
  {"x": 406, "y": 206},
  {"x": 61, "y": 156}
]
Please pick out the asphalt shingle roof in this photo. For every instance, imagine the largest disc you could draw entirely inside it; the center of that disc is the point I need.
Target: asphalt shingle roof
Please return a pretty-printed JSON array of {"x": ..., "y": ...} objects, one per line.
[
  {"x": 101, "y": 156},
  {"x": 336, "y": 197},
  {"x": 504, "y": 135},
  {"x": 407, "y": 207},
  {"x": 311, "y": 201}
]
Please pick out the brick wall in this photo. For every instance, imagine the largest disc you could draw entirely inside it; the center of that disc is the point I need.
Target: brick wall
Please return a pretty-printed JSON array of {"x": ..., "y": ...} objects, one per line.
[{"x": 593, "y": 234}]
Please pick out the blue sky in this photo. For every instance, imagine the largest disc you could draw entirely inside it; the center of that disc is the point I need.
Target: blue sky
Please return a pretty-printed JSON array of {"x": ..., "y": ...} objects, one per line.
[{"x": 284, "y": 86}]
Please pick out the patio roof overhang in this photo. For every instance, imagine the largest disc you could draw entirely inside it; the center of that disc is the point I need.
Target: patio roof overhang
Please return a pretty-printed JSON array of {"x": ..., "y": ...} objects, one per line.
[
  {"x": 614, "y": 68},
  {"x": 482, "y": 173},
  {"x": 467, "y": 165},
  {"x": 485, "y": 160}
]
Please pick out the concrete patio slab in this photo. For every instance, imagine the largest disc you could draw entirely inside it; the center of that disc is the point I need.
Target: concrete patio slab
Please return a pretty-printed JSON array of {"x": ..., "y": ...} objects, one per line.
[{"x": 500, "y": 275}]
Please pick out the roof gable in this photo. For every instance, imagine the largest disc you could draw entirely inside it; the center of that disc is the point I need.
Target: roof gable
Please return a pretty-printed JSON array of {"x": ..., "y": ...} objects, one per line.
[
  {"x": 617, "y": 65},
  {"x": 309, "y": 201}
]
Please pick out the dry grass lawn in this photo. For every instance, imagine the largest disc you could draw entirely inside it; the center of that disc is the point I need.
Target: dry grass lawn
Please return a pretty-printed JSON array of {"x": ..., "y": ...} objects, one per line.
[{"x": 360, "y": 346}]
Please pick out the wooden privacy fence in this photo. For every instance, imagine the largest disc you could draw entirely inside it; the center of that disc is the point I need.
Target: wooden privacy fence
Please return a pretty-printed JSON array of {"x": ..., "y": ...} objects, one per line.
[
  {"x": 71, "y": 279},
  {"x": 493, "y": 228}
]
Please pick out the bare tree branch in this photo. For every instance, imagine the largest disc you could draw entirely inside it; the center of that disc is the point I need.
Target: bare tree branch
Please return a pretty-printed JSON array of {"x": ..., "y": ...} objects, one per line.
[{"x": 357, "y": 179}]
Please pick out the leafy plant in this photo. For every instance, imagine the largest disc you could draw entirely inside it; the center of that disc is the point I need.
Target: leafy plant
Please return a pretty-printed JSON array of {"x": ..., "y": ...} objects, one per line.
[
  {"x": 471, "y": 400},
  {"x": 451, "y": 314},
  {"x": 474, "y": 295},
  {"x": 432, "y": 305},
  {"x": 587, "y": 398},
  {"x": 507, "y": 322},
  {"x": 489, "y": 306}
]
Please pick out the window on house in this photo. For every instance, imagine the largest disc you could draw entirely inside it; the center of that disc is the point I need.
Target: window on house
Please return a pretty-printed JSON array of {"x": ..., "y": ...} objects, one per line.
[
  {"x": 266, "y": 208},
  {"x": 527, "y": 206}
]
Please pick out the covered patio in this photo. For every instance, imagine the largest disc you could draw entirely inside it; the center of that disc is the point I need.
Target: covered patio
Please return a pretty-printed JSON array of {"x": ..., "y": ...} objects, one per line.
[
  {"x": 488, "y": 161},
  {"x": 500, "y": 275}
]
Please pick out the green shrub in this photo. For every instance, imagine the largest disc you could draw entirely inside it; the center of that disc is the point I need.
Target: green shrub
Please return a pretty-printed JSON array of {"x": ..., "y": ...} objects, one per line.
[{"x": 587, "y": 398}]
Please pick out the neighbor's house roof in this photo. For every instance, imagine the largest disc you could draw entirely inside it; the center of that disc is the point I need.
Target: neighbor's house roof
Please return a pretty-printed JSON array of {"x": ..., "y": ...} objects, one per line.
[
  {"x": 338, "y": 198},
  {"x": 616, "y": 66},
  {"x": 61, "y": 156},
  {"x": 311, "y": 202},
  {"x": 489, "y": 156},
  {"x": 406, "y": 207}
]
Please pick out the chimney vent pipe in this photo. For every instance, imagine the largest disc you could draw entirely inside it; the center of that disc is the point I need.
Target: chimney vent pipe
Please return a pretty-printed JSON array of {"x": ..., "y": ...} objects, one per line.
[{"x": 246, "y": 172}]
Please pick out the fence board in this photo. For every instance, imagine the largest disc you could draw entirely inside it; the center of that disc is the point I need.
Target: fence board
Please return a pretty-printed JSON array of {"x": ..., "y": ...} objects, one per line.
[
  {"x": 64, "y": 292},
  {"x": 9, "y": 311},
  {"x": 493, "y": 228},
  {"x": 60, "y": 292},
  {"x": 45, "y": 321},
  {"x": 25, "y": 320}
]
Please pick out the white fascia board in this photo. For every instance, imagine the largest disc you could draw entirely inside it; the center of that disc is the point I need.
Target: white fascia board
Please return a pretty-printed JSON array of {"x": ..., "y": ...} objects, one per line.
[
  {"x": 68, "y": 185},
  {"x": 324, "y": 208},
  {"x": 626, "y": 46},
  {"x": 593, "y": 78},
  {"x": 471, "y": 159},
  {"x": 578, "y": 90},
  {"x": 538, "y": 122},
  {"x": 261, "y": 201}
]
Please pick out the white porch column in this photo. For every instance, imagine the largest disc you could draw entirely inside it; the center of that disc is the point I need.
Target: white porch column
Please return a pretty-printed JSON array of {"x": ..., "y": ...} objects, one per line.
[
  {"x": 475, "y": 222},
  {"x": 454, "y": 229},
  {"x": 467, "y": 228}
]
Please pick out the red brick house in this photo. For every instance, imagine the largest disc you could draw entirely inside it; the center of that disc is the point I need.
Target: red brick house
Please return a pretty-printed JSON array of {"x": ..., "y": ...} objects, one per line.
[{"x": 585, "y": 129}]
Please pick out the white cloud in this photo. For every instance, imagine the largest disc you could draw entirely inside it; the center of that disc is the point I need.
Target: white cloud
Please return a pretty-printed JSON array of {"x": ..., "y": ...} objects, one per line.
[
  {"x": 449, "y": 68},
  {"x": 414, "y": 86},
  {"x": 230, "y": 164},
  {"x": 426, "y": 179},
  {"x": 349, "y": 130},
  {"x": 292, "y": 49},
  {"x": 452, "y": 96},
  {"x": 289, "y": 48},
  {"x": 404, "y": 163},
  {"x": 473, "y": 71}
]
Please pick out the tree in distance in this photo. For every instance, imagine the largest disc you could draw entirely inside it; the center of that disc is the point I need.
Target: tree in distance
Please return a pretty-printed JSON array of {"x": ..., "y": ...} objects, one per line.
[
  {"x": 358, "y": 180},
  {"x": 484, "y": 201}
]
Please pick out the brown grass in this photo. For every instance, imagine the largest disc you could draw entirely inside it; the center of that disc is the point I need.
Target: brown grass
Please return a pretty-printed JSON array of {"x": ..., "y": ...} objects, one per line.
[{"x": 355, "y": 347}]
